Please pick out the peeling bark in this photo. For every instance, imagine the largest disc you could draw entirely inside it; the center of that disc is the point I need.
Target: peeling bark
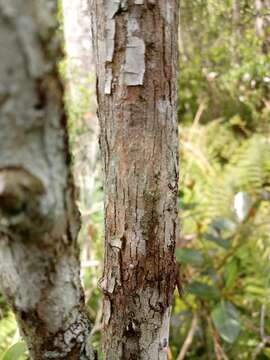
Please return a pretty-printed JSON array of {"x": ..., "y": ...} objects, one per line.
[
  {"x": 139, "y": 143},
  {"x": 39, "y": 266}
]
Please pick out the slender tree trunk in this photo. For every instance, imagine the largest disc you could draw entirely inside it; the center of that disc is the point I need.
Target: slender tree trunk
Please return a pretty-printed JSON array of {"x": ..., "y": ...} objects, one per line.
[
  {"x": 181, "y": 40},
  {"x": 39, "y": 266},
  {"x": 81, "y": 90},
  {"x": 136, "y": 45},
  {"x": 77, "y": 30},
  {"x": 80, "y": 71},
  {"x": 263, "y": 23},
  {"x": 236, "y": 17},
  {"x": 236, "y": 22}
]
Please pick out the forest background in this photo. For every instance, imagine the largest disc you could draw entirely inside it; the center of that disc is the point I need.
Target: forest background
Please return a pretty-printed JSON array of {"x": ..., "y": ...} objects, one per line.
[{"x": 224, "y": 197}]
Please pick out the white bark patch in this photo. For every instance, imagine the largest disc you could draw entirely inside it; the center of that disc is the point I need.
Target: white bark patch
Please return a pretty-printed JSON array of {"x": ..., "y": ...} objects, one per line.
[
  {"x": 111, "y": 7},
  {"x": 163, "y": 106},
  {"x": 167, "y": 11},
  {"x": 108, "y": 81},
  {"x": 111, "y": 285},
  {"x": 107, "y": 311},
  {"x": 117, "y": 243},
  {"x": 107, "y": 285},
  {"x": 138, "y": 2},
  {"x": 124, "y": 4},
  {"x": 134, "y": 67},
  {"x": 109, "y": 37}
]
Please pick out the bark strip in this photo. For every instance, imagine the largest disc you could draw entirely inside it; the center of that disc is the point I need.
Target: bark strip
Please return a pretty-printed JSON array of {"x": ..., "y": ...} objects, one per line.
[{"x": 139, "y": 143}]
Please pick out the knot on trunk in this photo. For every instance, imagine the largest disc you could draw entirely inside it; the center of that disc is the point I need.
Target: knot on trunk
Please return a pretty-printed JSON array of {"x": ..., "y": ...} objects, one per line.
[{"x": 21, "y": 198}]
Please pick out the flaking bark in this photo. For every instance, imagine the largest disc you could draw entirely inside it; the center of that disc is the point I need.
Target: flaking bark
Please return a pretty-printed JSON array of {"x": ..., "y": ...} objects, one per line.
[
  {"x": 136, "y": 57},
  {"x": 39, "y": 266}
]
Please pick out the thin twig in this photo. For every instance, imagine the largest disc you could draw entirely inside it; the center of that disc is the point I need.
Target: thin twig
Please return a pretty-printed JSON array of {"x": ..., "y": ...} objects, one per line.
[
  {"x": 98, "y": 322},
  {"x": 262, "y": 333},
  {"x": 199, "y": 113},
  {"x": 264, "y": 339},
  {"x": 189, "y": 338},
  {"x": 220, "y": 354}
]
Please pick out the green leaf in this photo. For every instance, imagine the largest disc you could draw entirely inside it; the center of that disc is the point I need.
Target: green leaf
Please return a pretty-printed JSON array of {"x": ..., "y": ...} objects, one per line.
[
  {"x": 187, "y": 206},
  {"x": 231, "y": 272},
  {"x": 226, "y": 321},
  {"x": 223, "y": 224},
  {"x": 224, "y": 243},
  {"x": 15, "y": 352},
  {"x": 202, "y": 290},
  {"x": 256, "y": 290},
  {"x": 266, "y": 352},
  {"x": 189, "y": 256}
]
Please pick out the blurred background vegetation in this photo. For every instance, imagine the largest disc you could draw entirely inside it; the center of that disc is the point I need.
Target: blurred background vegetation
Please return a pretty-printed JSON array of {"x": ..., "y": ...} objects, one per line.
[{"x": 224, "y": 196}]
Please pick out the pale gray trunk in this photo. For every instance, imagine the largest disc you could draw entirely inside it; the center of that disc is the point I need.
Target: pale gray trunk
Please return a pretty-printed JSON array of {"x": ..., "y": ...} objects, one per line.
[
  {"x": 259, "y": 18},
  {"x": 236, "y": 16},
  {"x": 81, "y": 89},
  {"x": 236, "y": 22},
  {"x": 262, "y": 23},
  {"x": 80, "y": 71},
  {"x": 182, "y": 47},
  {"x": 136, "y": 55},
  {"x": 39, "y": 266}
]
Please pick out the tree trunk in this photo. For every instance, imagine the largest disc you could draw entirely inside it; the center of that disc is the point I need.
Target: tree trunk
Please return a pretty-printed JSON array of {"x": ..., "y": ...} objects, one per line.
[
  {"x": 136, "y": 45},
  {"x": 262, "y": 24},
  {"x": 80, "y": 73},
  {"x": 237, "y": 32},
  {"x": 236, "y": 17},
  {"x": 39, "y": 266}
]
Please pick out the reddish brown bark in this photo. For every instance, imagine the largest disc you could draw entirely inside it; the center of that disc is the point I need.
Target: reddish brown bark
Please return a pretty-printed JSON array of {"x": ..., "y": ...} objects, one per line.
[{"x": 136, "y": 46}]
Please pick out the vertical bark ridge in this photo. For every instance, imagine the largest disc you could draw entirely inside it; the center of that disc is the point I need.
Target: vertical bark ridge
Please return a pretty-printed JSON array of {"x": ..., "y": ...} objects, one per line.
[{"x": 139, "y": 143}]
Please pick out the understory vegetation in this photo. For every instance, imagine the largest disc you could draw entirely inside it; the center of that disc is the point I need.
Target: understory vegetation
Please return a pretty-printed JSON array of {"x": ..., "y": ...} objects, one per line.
[{"x": 223, "y": 247}]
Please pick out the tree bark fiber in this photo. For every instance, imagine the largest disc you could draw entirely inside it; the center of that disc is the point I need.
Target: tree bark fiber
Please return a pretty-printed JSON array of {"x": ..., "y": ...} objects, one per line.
[
  {"x": 136, "y": 56},
  {"x": 39, "y": 266}
]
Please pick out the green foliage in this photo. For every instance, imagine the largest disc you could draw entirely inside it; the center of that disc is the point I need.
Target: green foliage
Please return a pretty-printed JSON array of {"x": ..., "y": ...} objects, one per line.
[
  {"x": 15, "y": 352},
  {"x": 226, "y": 262},
  {"x": 221, "y": 66},
  {"x": 224, "y": 114},
  {"x": 226, "y": 321},
  {"x": 7, "y": 330},
  {"x": 184, "y": 256}
]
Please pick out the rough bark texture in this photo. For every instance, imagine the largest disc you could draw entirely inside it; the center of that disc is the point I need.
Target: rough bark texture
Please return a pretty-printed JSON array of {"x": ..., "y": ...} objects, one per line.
[
  {"x": 136, "y": 45},
  {"x": 39, "y": 266}
]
